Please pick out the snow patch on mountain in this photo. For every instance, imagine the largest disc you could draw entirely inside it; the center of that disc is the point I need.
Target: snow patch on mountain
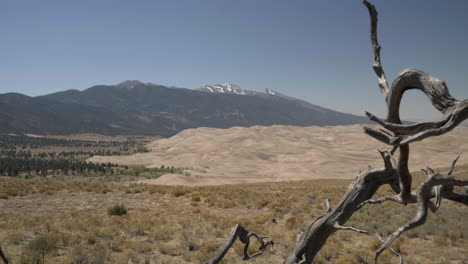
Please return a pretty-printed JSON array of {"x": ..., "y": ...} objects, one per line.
[
  {"x": 233, "y": 89},
  {"x": 269, "y": 91},
  {"x": 225, "y": 88},
  {"x": 129, "y": 84}
]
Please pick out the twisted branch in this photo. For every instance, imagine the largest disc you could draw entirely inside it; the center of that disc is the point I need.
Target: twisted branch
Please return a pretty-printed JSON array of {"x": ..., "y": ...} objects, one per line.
[
  {"x": 393, "y": 105},
  {"x": 424, "y": 193},
  {"x": 420, "y": 131},
  {"x": 349, "y": 228},
  {"x": 373, "y": 14},
  {"x": 327, "y": 203},
  {"x": 265, "y": 242},
  {"x": 239, "y": 232},
  {"x": 438, "y": 192},
  {"x": 360, "y": 190}
]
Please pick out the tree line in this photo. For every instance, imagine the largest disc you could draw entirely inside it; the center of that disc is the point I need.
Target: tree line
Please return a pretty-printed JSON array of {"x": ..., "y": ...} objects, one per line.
[
  {"x": 44, "y": 167},
  {"x": 63, "y": 154},
  {"x": 23, "y": 142}
]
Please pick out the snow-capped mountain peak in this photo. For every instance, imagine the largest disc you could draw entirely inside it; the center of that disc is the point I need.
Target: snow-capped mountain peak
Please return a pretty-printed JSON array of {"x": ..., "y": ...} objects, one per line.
[
  {"x": 130, "y": 84},
  {"x": 225, "y": 88},
  {"x": 270, "y": 91},
  {"x": 234, "y": 89}
]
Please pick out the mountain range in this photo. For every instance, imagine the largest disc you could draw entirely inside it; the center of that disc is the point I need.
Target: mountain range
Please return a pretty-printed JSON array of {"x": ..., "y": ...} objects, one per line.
[{"x": 136, "y": 108}]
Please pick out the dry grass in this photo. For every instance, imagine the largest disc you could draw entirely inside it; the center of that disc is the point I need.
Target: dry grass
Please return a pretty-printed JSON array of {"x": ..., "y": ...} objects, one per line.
[{"x": 186, "y": 225}]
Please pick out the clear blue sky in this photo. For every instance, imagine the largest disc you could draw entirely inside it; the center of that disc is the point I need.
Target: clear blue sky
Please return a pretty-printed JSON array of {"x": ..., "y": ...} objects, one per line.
[{"x": 315, "y": 50}]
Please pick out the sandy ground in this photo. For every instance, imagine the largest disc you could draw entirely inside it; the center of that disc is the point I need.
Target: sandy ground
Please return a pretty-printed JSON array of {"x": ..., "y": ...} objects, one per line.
[{"x": 282, "y": 153}]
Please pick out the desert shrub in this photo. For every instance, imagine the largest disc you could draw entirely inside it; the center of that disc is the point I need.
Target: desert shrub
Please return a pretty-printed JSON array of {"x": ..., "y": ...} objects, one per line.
[
  {"x": 157, "y": 189},
  {"x": 141, "y": 247},
  {"x": 259, "y": 204},
  {"x": 163, "y": 234},
  {"x": 27, "y": 258},
  {"x": 118, "y": 209},
  {"x": 227, "y": 204},
  {"x": 196, "y": 198},
  {"x": 80, "y": 258},
  {"x": 96, "y": 255},
  {"x": 15, "y": 237},
  {"x": 180, "y": 191},
  {"x": 441, "y": 260},
  {"x": 170, "y": 250},
  {"x": 37, "y": 249},
  {"x": 294, "y": 222},
  {"x": 65, "y": 238}
]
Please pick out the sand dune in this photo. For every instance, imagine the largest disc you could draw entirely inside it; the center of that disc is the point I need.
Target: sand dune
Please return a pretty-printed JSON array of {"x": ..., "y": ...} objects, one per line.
[{"x": 282, "y": 153}]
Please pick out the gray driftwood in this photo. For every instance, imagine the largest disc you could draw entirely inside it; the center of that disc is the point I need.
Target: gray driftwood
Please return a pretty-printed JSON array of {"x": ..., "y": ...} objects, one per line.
[
  {"x": 239, "y": 232},
  {"x": 427, "y": 195}
]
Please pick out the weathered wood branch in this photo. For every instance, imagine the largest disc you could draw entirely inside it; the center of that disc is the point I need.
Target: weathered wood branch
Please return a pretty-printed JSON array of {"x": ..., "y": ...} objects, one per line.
[
  {"x": 2, "y": 255},
  {"x": 456, "y": 197},
  {"x": 373, "y": 14},
  {"x": 327, "y": 203},
  {"x": 420, "y": 131},
  {"x": 452, "y": 167},
  {"x": 239, "y": 232},
  {"x": 393, "y": 106},
  {"x": 360, "y": 190},
  {"x": 350, "y": 228},
  {"x": 435, "y": 89},
  {"x": 400, "y": 257},
  {"x": 235, "y": 233},
  {"x": 406, "y": 129},
  {"x": 427, "y": 190},
  {"x": 265, "y": 242},
  {"x": 396, "y": 199},
  {"x": 438, "y": 193},
  {"x": 402, "y": 261}
]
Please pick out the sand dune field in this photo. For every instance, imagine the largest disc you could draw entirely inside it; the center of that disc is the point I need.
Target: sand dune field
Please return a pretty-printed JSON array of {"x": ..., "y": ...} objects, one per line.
[{"x": 281, "y": 153}]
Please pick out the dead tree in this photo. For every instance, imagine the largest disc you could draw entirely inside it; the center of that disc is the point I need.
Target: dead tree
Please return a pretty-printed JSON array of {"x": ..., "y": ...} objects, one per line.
[{"x": 428, "y": 195}]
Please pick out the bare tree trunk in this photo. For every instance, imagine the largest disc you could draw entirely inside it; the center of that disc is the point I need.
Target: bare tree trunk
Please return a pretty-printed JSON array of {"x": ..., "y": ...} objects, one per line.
[{"x": 361, "y": 190}]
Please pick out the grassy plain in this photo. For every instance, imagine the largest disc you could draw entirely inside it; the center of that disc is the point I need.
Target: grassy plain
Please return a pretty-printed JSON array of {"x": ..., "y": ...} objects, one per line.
[{"x": 175, "y": 224}]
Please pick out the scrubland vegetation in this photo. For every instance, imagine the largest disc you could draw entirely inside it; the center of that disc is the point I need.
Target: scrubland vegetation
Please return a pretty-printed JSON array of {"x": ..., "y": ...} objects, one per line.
[
  {"x": 82, "y": 221},
  {"x": 22, "y": 146},
  {"x": 29, "y": 157}
]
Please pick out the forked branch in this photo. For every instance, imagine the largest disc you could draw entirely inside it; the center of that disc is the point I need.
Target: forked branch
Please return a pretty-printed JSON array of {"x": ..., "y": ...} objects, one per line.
[
  {"x": 393, "y": 106},
  {"x": 396, "y": 253},
  {"x": 427, "y": 190}
]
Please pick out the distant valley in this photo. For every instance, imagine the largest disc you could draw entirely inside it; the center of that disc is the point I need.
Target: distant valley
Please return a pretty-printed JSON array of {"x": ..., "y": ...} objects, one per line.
[{"x": 135, "y": 108}]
